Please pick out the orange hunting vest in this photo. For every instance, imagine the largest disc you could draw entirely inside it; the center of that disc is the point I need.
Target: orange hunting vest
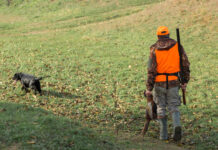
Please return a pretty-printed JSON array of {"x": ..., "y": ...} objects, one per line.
[{"x": 167, "y": 63}]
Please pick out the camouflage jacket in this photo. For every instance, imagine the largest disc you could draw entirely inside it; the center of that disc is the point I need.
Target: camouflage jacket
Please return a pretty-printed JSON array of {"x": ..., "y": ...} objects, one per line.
[{"x": 164, "y": 44}]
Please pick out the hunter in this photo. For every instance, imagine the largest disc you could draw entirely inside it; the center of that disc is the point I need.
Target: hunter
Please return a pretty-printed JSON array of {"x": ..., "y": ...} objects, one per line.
[{"x": 163, "y": 77}]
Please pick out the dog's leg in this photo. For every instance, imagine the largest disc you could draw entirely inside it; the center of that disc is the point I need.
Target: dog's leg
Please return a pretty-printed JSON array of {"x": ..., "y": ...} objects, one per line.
[
  {"x": 40, "y": 92},
  {"x": 35, "y": 91},
  {"x": 26, "y": 90},
  {"x": 22, "y": 88},
  {"x": 38, "y": 87},
  {"x": 33, "y": 87}
]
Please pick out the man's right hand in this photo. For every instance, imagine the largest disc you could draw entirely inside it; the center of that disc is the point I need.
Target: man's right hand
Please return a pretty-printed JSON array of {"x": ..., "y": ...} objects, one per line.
[{"x": 183, "y": 86}]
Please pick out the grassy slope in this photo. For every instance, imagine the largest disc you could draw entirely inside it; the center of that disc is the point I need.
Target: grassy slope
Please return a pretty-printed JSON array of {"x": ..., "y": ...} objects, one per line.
[
  {"x": 24, "y": 127},
  {"x": 97, "y": 52}
]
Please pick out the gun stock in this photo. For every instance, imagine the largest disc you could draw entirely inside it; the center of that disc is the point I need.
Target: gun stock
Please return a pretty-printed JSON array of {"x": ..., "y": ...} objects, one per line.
[{"x": 183, "y": 97}]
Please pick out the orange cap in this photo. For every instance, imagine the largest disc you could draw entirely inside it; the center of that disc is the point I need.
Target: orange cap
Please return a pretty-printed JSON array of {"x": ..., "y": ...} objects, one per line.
[{"x": 162, "y": 30}]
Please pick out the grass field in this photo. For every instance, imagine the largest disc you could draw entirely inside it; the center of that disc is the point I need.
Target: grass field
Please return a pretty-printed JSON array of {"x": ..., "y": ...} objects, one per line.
[{"x": 96, "y": 53}]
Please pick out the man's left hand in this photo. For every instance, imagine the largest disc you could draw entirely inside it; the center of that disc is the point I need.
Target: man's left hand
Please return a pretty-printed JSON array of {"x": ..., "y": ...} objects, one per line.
[{"x": 148, "y": 93}]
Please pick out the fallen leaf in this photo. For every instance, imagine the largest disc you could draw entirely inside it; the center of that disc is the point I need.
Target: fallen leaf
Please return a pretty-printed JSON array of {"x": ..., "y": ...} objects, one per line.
[{"x": 31, "y": 142}]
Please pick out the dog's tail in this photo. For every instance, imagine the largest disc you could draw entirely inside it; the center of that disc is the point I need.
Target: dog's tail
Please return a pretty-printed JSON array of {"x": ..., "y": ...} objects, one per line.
[{"x": 40, "y": 78}]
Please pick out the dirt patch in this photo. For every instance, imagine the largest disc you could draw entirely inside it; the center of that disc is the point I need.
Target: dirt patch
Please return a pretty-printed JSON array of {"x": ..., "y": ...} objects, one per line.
[{"x": 138, "y": 142}]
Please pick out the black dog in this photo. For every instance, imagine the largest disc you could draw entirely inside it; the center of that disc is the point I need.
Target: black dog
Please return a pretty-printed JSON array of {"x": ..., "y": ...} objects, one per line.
[{"x": 28, "y": 81}]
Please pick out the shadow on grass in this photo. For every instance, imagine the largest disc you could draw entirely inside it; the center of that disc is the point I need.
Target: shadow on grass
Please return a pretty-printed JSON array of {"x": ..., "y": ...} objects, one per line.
[
  {"x": 26, "y": 127},
  {"x": 59, "y": 94}
]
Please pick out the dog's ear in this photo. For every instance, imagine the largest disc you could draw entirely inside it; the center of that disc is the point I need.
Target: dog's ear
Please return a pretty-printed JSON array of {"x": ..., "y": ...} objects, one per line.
[{"x": 20, "y": 74}]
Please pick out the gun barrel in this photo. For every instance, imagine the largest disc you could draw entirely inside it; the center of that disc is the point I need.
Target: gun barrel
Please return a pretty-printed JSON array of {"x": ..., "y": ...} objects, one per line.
[
  {"x": 178, "y": 36},
  {"x": 181, "y": 64}
]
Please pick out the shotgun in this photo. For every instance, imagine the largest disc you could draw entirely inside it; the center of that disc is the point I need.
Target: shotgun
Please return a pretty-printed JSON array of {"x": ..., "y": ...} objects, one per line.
[{"x": 181, "y": 73}]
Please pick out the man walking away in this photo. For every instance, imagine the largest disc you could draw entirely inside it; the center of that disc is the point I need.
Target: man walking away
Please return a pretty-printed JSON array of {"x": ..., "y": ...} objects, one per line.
[{"x": 163, "y": 76}]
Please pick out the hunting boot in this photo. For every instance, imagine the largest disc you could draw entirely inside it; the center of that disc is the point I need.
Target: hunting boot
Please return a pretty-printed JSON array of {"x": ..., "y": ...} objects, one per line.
[
  {"x": 163, "y": 128},
  {"x": 177, "y": 129}
]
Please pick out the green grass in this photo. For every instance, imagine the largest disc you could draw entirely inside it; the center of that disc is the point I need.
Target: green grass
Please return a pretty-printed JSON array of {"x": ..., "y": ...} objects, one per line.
[
  {"x": 24, "y": 127},
  {"x": 96, "y": 53}
]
